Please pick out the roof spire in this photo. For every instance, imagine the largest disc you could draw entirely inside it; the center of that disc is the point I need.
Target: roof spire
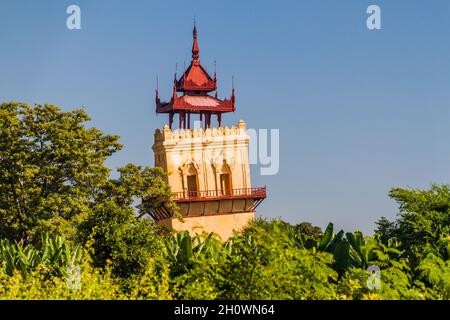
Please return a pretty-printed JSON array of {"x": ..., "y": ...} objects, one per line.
[
  {"x": 174, "y": 94},
  {"x": 157, "y": 93},
  {"x": 215, "y": 76},
  {"x": 157, "y": 87},
  {"x": 233, "y": 96},
  {"x": 195, "y": 48}
]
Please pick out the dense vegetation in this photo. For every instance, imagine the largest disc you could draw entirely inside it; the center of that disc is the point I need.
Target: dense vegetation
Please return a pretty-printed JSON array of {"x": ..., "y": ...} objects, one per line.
[{"x": 70, "y": 231}]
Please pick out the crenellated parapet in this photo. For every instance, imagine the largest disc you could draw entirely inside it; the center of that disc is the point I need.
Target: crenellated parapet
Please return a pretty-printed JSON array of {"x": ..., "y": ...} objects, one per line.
[{"x": 168, "y": 134}]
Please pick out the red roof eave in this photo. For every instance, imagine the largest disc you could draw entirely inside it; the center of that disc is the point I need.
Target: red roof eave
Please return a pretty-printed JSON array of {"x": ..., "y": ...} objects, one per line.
[
  {"x": 192, "y": 86},
  {"x": 166, "y": 107},
  {"x": 186, "y": 87}
]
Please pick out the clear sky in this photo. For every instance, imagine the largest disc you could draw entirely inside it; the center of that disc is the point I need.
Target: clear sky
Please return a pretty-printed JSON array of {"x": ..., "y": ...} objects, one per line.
[{"x": 359, "y": 111}]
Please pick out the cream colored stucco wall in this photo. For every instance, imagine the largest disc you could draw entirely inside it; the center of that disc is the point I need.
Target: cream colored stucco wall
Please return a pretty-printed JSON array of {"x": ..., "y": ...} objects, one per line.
[
  {"x": 223, "y": 225},
  {"x": 206, "y": 150}
]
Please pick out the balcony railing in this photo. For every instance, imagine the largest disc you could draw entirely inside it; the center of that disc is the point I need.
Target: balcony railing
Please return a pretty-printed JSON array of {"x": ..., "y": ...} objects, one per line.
[
  {"x": 252, "y": 196},
  {"x": 255, "y": 193}
]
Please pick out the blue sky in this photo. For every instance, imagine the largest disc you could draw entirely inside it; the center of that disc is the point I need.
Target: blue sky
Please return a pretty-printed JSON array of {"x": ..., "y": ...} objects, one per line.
[{"x": 359, "y": 111}]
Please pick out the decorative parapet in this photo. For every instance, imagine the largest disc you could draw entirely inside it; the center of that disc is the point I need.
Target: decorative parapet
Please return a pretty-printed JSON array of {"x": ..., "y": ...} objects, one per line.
[{"x": 180, "y": 134}]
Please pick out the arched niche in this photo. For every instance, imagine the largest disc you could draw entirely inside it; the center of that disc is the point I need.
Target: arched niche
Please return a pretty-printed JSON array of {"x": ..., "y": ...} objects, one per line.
[
  {"x": 225, "y": 186},
  {"x": 189, "y": 171}
]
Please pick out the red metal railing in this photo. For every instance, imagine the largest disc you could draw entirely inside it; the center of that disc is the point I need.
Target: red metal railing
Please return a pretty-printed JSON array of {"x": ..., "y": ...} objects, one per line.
[{"x": 256, "y": 193}]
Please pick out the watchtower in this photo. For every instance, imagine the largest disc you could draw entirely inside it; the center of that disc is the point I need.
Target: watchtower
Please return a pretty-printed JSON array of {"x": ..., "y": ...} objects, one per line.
[{"x": 207, "y": 167}]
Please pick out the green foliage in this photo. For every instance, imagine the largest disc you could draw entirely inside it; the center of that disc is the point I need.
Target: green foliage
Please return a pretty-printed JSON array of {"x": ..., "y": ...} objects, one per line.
[
  {"x": 135, "y": 183},
  {"x": 266, "y": 261},
  {"x": 348, "y": 249},
  {"x": 395, "y": 284},
  {"x": 308, "y": 230},
  {"x": 263, "y": 263},
  {"x": 52, "y": 173},
  {"x": 51, "y": 167},
  {"x": 54, "y": 256},
  {"x": 94, "y": 285},
  {"x": 436, "y": 272},
  {"x": 181, "y": 250},
  {"x": 424, "y": 217},
  {"x": 422, "y": 231},
  {"x": 121, "y": 239},
  {"x": 155, "y": 284}
]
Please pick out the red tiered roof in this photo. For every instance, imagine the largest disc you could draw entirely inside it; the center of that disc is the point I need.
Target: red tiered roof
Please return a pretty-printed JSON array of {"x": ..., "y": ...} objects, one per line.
[
  {"x": 195, "y": 84},
  {"x": 196, "y": 78},
  {"x": 197, "y": 105}
]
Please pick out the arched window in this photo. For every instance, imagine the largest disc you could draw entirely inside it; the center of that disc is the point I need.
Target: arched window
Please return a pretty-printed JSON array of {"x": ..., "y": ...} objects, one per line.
[
  {"x": 192, "y": 185},
  {"x": 225, "y": 180}
]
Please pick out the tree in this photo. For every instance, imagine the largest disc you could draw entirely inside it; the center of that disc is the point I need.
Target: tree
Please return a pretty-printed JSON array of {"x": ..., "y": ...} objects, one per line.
[
  {"x": 136, "y": 183},
  {"x": 307, "y": 229},
  {"x": 262, "y": 263},
  {"x": 422, "y": 231},
  {"x": 51, "y": 169},
  {"x": 423, "y": 218},
  {"x": 52, "y": 173},
  {"x": 120, "y": 237}
]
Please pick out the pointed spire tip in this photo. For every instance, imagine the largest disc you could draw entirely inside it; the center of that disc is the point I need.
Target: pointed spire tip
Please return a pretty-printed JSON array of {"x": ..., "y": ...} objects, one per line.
[{"x": 195, "y": 48}]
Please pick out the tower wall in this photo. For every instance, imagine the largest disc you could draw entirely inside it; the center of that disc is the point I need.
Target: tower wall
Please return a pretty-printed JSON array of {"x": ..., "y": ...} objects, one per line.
[
  {"x": 206, "y": 151},
  {"x": 223, "y": 225},
  {"x": 218, "y": 159}
]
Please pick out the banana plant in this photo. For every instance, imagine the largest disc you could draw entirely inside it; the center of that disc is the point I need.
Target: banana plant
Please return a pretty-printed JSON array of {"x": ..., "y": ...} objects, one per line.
[
  {"x": 17, "y": 257},
  {"x": 327, "y": 238},
  {"x": 349, "y": 249},
  {"x": 56, "y": 254},
  {"x": 181, "y": 248}
]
